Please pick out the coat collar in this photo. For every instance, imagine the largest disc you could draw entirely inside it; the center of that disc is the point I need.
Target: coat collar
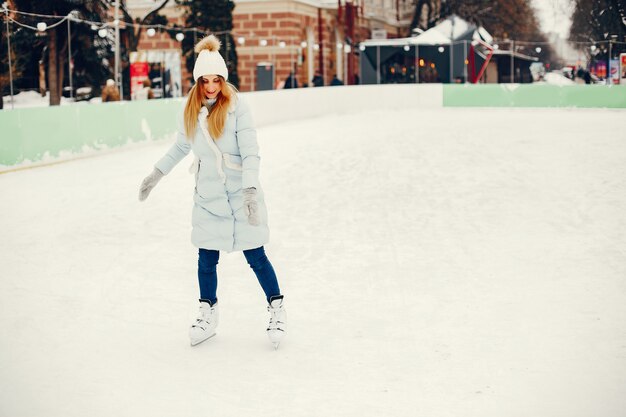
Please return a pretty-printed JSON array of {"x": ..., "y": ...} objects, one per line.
[{"x": 204, "y": 111}]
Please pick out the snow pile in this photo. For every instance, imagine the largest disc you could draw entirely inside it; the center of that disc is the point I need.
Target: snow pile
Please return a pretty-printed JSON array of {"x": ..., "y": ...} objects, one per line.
[
  {"x": 34, "y": 99},
  {"x": 556, "y": 78}
]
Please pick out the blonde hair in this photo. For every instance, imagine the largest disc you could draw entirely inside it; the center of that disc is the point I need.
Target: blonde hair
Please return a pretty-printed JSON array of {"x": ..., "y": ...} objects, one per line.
[{"x": 218, "y": 113}]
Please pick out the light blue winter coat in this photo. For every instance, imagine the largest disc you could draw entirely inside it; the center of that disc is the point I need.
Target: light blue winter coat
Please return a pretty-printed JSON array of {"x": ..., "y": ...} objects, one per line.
[{"x": 223, "y": 168}]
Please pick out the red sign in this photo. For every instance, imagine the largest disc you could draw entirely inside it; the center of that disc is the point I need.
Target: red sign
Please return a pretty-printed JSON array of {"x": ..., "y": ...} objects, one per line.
[{"x": 138, "y": 73}]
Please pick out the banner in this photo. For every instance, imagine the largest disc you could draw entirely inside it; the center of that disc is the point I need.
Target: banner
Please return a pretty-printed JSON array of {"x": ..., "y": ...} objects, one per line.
[
  {"x": 622, "y": 69},
  {"x": 138, "y": 71},
  {"x": 615, "y": 72}
]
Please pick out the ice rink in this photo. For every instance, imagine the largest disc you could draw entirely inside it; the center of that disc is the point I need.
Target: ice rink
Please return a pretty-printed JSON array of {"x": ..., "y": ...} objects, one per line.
[{"x": 435, "y": 262}]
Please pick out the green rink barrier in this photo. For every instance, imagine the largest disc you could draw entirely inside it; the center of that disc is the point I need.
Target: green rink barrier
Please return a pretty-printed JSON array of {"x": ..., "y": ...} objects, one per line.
[
  {"x": 31, "y": 135},
  {"x": 534, "y": 95}
]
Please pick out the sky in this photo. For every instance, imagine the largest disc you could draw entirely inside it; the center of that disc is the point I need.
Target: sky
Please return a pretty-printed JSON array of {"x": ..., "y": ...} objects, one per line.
[{"x": 554, "y": 15}]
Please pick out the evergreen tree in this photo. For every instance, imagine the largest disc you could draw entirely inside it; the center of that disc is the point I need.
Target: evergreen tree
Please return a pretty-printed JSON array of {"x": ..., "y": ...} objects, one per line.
[
  {"x": 426, "y": 15},
  {"x": 212, "y": 16},
  {"x": 24, "y": 62},
  {"x": 88, "y": 52},
  {"x": 599, "y": 21}
]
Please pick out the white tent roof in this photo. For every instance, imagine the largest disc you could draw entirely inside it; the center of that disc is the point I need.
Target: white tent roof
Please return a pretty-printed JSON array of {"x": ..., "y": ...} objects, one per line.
[
  {"x": 453, "y": 27},
  {"x": 426, "y": 38},
  {"x": 432, "y": 37},
  {"x": 482, "y": 33},
  {"x": 450, "y": 29}
]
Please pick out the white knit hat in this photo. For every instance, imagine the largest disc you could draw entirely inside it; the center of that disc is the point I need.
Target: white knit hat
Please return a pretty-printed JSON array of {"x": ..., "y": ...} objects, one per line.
[{"x": 209, "y": 61}]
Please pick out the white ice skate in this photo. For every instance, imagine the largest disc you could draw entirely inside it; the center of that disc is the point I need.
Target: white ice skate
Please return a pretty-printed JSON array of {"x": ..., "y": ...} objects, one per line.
[
  {"x": 206, "y": 323},
  {"x": 278, "y": 317}
]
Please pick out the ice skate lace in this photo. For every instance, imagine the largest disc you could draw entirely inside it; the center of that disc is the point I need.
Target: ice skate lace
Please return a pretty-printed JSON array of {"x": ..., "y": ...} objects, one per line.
[
  {"x": 203, "y": 320},
  {"x": 275, "y": 323}
]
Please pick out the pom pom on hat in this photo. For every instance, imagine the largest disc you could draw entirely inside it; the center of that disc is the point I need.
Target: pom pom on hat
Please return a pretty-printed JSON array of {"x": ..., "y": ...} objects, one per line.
[
  {"x": 209, "y": 60},
  {"x": 210, "y": 43}
]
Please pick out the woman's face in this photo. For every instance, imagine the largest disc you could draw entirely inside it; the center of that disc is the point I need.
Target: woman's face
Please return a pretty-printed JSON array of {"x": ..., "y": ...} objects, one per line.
[{"x": 211, "y": 85}]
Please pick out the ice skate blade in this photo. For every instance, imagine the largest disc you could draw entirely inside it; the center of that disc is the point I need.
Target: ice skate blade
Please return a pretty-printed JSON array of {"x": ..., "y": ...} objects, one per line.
[
  {"x": 197, "y": 342},
  {"x": 275, "y": 336}
]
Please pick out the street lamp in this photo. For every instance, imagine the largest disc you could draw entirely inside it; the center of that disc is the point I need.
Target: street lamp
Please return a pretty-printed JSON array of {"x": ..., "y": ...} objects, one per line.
[
  {"x": 610, "y": 56},
  {"x": 70, "y": 67},
  {"x": 151, "y": 32},
  {"x": 116, "y": 23},
  {"x": 103, "y": 33},
  {"x": 42, "y": 26},
  {"x": 538, "y": 49},
  {"x": 242, "y": 41},
  {"x": 346, "y": 49},
  {"x": 180, "y": 36},
  {"x": 5, "y": 8}
]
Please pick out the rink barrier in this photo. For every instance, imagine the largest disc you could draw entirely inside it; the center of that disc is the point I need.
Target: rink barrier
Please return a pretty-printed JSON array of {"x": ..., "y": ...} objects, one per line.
[
  {"x": 33, "y": 136},
  {"x": 295, "y": 104},
  {"x": 534, "y": 95},
  {"x": 44, "y": 135}
]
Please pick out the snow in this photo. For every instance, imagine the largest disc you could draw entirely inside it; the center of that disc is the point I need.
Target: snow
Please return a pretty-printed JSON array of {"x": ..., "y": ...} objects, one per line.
[
  {"x": 34, "y": 99},
  {"x": 555, "y": 78},
  {"x": 453, "y": 27},
  {"x": 435, "y": 262}
]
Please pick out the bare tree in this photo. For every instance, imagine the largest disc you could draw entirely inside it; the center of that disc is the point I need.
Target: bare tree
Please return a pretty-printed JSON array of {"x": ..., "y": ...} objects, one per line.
[{"x": 151, "y": 18}]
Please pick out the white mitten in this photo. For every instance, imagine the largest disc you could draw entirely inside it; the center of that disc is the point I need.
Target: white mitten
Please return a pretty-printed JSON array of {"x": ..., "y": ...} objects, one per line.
[
  {"x": 148, "y": 184},
  {"x": 250, "y": 206}
]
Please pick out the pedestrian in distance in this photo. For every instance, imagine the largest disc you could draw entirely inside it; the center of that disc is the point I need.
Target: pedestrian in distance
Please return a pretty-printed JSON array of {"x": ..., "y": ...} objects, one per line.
[
  {"x": 229, "y": 212},
  {"x": 335, "y": 81},
  {"x": 291, "y": 81},
  {"x": 110, "y": 92},
  {"x": 145, "y": 92},
  {"x": 317, "y": 80}
]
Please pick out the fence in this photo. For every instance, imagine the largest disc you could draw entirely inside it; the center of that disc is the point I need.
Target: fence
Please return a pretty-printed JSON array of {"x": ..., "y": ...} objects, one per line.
[
  {"x": 35, "y": 136},
  {"x": 405, "y": 60}
]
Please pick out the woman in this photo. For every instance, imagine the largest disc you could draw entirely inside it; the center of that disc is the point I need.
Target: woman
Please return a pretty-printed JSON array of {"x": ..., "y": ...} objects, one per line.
[{"x": 229, "y": 213}]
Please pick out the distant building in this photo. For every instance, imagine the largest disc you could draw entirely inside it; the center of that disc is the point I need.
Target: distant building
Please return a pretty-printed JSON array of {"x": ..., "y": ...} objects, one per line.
[
  {"x": 453, "y": 51},
  {"x": 280, "y": 36}
]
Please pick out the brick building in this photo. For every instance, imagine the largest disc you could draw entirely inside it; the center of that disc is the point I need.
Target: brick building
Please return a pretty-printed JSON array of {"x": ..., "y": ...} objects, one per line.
[{"x": 292, "y": 35}]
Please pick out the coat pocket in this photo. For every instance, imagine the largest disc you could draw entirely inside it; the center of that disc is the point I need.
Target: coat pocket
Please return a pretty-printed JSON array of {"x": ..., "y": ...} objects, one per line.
[{"x": 232, "y": 162}]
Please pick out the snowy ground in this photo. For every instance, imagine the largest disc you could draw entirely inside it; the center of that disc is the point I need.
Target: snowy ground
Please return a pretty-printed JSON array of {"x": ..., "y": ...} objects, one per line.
[
  {"x": 34, "y": 99},
  {"x": 436, "y": 262}
]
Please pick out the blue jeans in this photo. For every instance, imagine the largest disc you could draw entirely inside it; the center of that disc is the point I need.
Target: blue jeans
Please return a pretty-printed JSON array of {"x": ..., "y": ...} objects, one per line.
[{"x": 207, "y": 272}]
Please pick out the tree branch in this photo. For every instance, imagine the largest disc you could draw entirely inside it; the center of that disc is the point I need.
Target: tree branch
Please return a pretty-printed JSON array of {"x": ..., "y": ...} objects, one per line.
[{"x": 154, "y": 11}]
